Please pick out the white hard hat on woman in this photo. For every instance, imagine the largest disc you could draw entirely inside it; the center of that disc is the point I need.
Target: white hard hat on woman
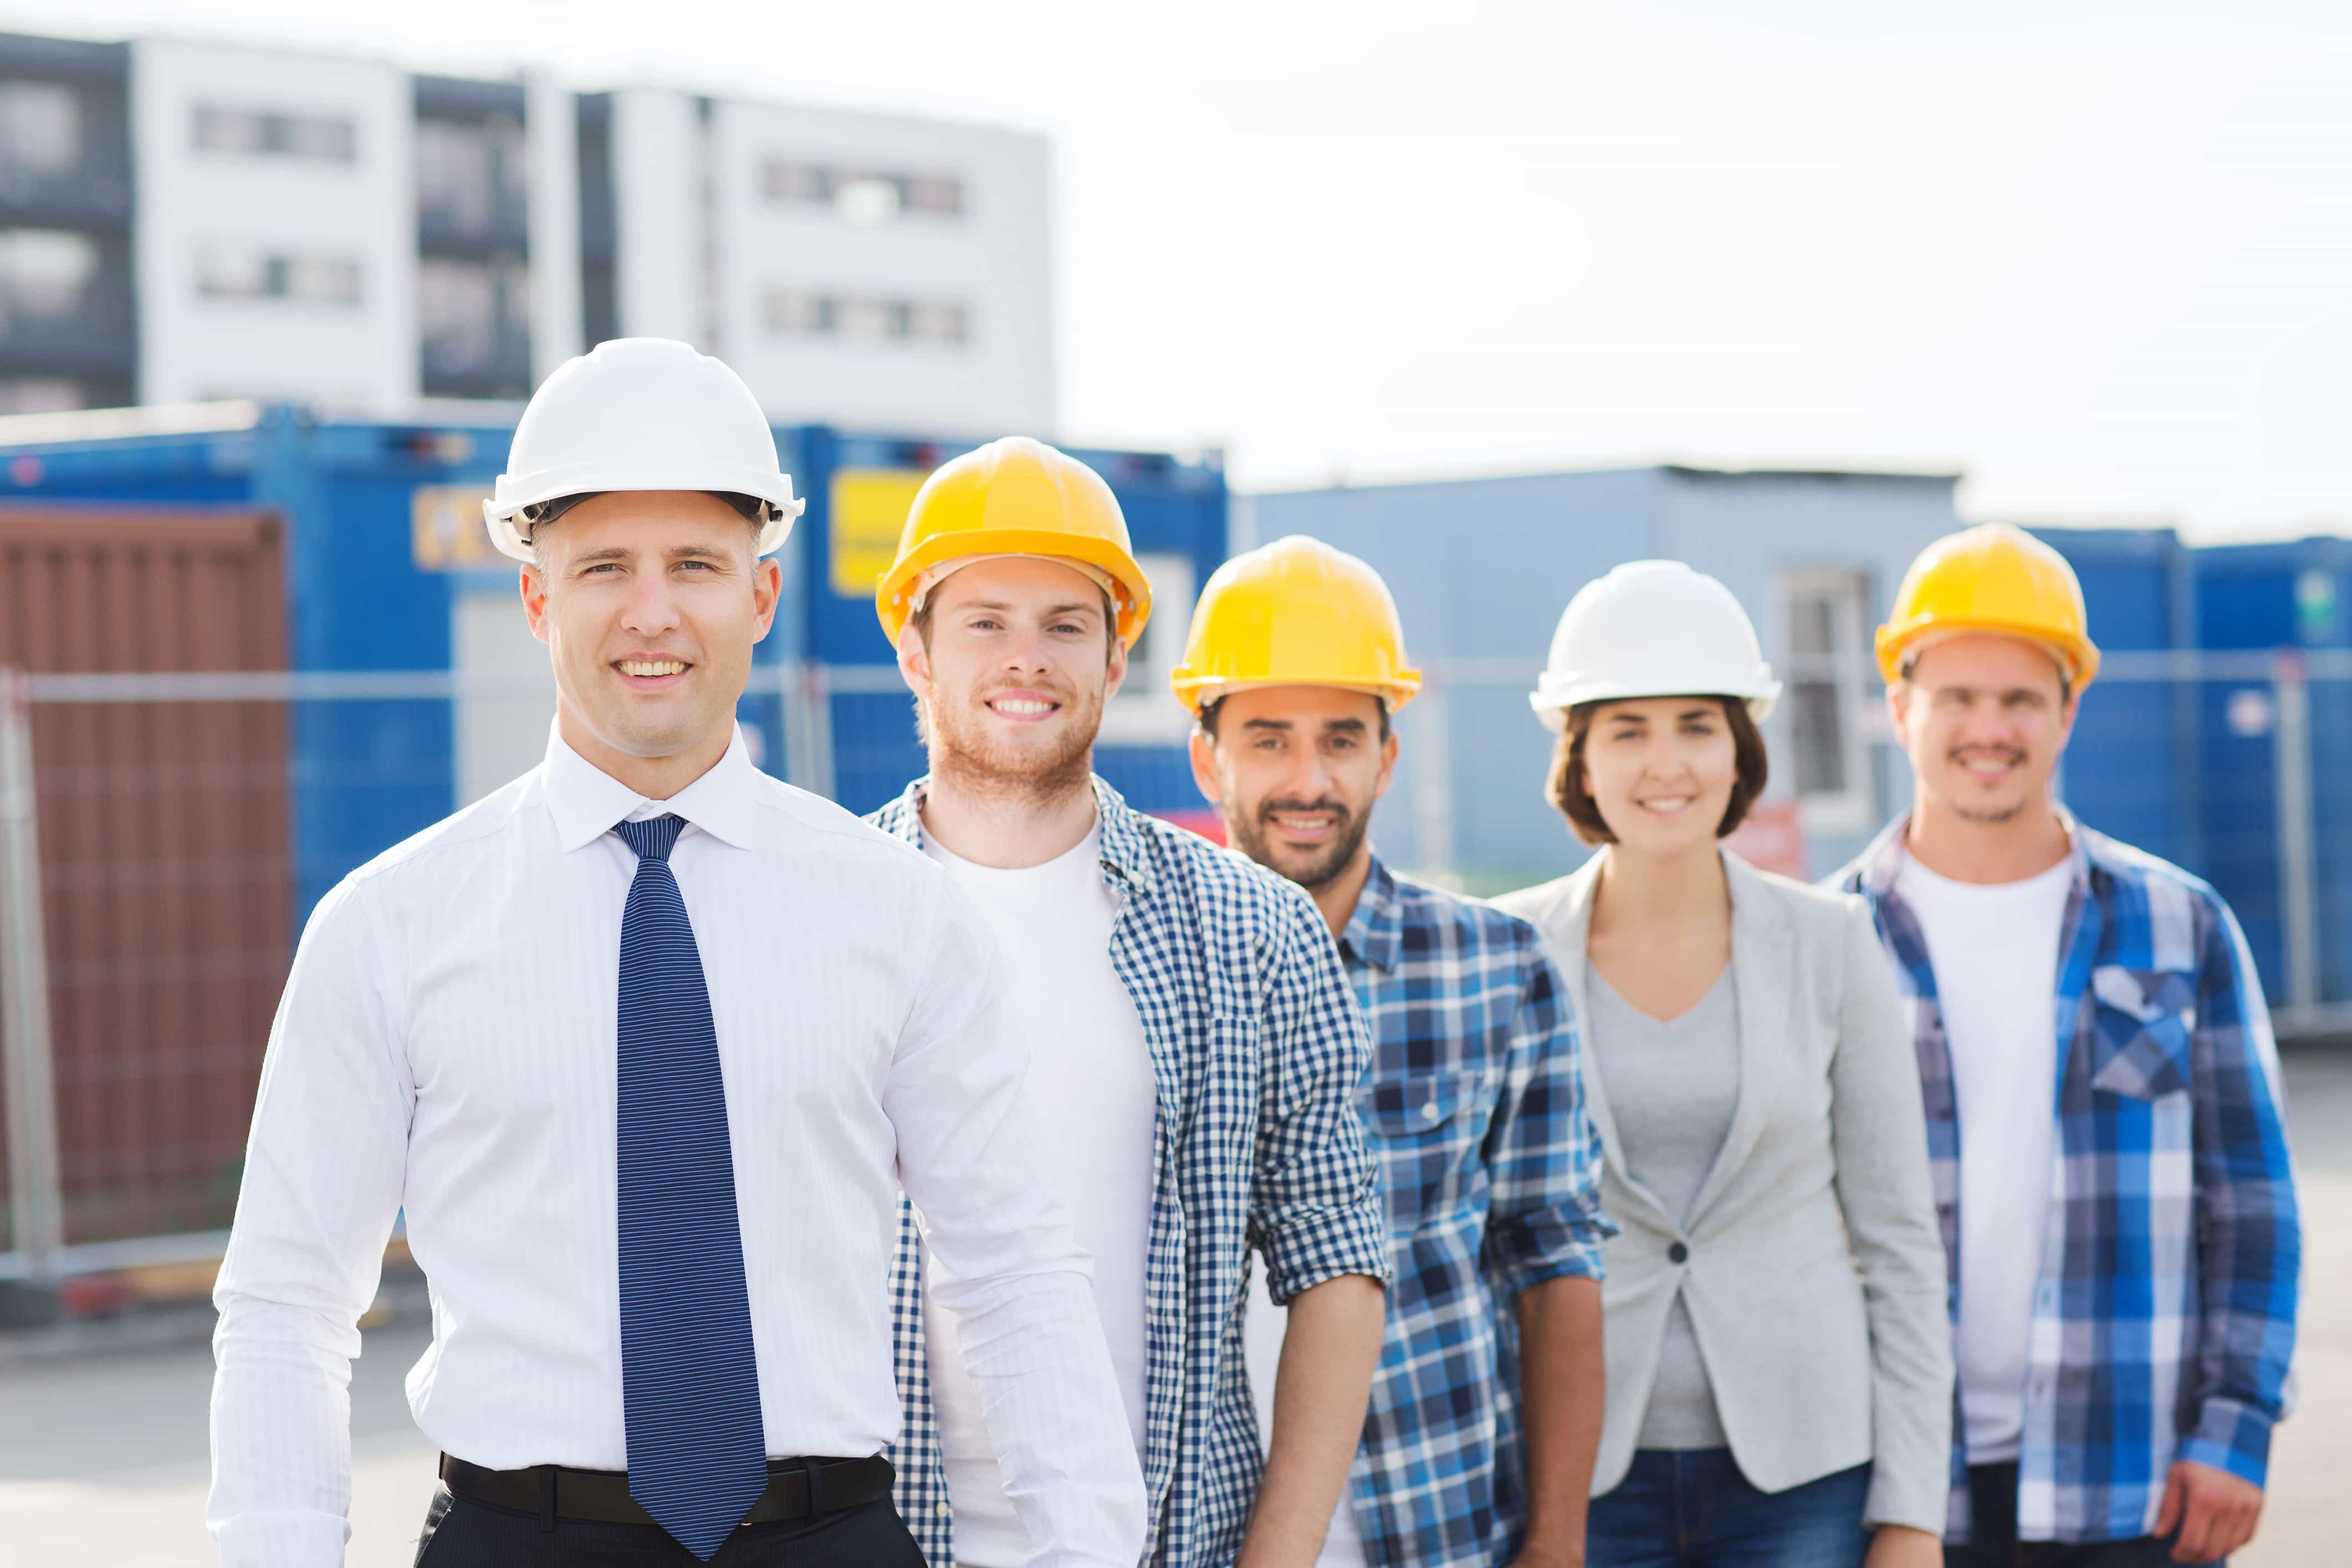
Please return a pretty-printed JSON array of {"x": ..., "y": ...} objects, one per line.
[{"x": 1652, "y": 629}]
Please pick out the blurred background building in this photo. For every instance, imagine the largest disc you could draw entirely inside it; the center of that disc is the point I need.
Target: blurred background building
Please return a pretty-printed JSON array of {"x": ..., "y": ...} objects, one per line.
[{"x": 185, "y": 222}]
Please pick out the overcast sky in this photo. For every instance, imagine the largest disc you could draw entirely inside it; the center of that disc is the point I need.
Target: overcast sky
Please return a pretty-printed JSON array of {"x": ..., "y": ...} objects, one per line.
[{"x": 2097, "y": 255}]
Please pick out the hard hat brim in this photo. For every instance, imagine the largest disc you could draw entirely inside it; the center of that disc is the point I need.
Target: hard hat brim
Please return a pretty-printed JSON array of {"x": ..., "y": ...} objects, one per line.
[
  {"x": 1196, "y": 691},
  {"x": 894, "y": 592},
  {"x": 1897, "y": 641}
]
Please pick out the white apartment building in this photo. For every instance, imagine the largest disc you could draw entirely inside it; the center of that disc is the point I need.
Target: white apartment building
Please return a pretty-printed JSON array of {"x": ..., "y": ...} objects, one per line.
[{"x": 183, "y": 221}]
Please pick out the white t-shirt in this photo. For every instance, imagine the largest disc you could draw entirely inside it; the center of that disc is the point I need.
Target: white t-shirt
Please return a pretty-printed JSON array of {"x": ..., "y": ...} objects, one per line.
[
  {"x": 1262, "y": 1330},
  {"x": 1995, "y": 951},
  {"x": 1091, "y": 1087}
]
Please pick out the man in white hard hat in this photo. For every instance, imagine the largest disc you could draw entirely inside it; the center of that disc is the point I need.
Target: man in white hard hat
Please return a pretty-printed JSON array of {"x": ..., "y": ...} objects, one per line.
[
  {"x": 1479, "y": 1446},
  {"x": 1196, "y": 1049},
  {"x": 644, "y": 1045}
]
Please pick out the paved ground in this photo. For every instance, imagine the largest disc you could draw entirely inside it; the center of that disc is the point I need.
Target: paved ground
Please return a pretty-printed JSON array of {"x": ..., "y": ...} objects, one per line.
[{"x": 102, "y": 1456}]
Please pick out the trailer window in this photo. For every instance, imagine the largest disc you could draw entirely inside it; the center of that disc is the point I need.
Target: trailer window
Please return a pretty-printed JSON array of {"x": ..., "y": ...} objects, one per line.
[{"x": 1828, "y": 689}]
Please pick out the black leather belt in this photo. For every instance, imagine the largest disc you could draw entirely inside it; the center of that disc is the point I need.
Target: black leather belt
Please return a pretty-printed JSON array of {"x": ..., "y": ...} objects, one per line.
[{"x": 797, "y": 1488}]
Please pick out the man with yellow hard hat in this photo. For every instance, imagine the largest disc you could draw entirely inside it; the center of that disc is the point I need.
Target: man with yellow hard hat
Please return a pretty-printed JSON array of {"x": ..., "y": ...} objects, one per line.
[
  {"x": 2103, "y": 1102},
  {"x": 1194, "y": 1049},
  {"x": 1295, "y": 665}
]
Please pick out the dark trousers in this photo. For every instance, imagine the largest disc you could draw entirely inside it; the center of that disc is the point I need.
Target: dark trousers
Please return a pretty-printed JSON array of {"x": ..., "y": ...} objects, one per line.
[
  {"x": 1993, "y": 1543},
  {"x": 462, "y": 1534},
  {"x": 1692, "y": 1509}
]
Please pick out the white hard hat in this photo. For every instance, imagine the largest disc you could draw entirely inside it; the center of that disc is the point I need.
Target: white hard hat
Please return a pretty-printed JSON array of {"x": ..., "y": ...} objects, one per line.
[
  {"x": 1652, "y": 629},
  {"x": 640, "y": 413}
]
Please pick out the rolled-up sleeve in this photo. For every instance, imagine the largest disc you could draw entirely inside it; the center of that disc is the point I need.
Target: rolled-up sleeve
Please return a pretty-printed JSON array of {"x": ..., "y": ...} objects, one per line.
[
  {"x": 2250, "y": 1237},
  {"x": 1879, "y": 1131},
  {"x": 1006, "y": 1262},
  {"x": 1315, "y": 1208},
  {"x": 1542, "y": 1154},
  {"x": 323, "y": 1175}
]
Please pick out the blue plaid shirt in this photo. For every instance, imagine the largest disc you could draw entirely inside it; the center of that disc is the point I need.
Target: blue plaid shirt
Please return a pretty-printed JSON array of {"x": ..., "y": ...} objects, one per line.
[
  {"x": 1256, "y": 1052},
  {"x": 1475, "y": 1107},
  {"x": 2165, "y": 1320}
]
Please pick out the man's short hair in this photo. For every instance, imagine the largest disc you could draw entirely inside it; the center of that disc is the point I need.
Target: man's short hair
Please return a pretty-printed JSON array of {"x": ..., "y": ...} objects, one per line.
[
  {"x": 1565, "y": 789},
  {"x": 1210, "y": 710}
]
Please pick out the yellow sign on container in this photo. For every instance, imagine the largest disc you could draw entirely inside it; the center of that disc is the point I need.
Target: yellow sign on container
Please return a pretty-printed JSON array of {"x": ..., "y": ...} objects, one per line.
[
  {"x": 446, "y": 532},
  {"x": 869, "y": 512}
]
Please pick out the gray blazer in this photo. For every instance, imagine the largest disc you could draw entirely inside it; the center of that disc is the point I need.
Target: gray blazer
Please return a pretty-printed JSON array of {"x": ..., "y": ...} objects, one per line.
[{"x": 1814, "y": 1272}]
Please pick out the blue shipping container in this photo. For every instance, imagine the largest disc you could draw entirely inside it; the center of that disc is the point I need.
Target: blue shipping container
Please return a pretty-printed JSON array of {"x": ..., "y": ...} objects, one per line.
[{"x": 388, "y": 568}]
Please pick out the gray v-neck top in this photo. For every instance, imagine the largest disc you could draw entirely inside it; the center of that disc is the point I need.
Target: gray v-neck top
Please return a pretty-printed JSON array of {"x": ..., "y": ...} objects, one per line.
[{"x": 1672, "y": 1088}]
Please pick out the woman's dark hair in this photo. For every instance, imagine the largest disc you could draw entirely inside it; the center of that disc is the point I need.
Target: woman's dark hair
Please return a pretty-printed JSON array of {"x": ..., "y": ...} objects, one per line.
[{"x": 1566, "y": 788}]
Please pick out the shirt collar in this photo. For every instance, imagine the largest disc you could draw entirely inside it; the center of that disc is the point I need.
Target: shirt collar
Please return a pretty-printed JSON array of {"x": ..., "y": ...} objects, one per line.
[
  {"x": 585, "y": 801},
  {"x": 1375, "y": 931},
  {"x": 1883, "y": 861},
  {"x": 1125, "y": 850}
]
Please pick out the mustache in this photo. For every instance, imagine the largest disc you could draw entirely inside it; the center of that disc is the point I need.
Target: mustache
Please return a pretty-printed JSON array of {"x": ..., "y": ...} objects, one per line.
[{"x": 1337, "y": 807}]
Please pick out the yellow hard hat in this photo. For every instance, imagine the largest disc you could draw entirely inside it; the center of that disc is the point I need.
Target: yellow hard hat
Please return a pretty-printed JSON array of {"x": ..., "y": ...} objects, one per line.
[
  {"x": 1015, "y": 496},
  {"x": 1296, "y": 612},
  {"x": 1997, "y": 578}
]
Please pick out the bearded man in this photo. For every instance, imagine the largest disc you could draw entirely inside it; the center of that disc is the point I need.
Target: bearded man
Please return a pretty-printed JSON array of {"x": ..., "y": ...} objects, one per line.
[{"x": 1195, "y": 1049}]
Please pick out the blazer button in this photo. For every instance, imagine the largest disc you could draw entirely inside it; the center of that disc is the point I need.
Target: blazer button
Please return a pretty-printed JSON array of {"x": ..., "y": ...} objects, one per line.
[{"x": 1678, "y": 1253}]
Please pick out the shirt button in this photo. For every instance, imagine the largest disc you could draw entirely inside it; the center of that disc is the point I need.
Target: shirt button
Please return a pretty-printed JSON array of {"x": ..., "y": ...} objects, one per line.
[
  {"x": 941, "y": 1509},
  {"x": 1677, "y": 1253},
  {"x": 1429, "y": 1110}
]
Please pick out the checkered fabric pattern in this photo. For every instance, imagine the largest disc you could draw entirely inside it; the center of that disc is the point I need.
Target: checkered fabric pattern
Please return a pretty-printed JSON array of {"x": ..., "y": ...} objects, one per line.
[
  {"x": 1476, "y": 1108},
  {"x": 1258, "y": 1050},
  {"x": 2165, "y": 1320}
]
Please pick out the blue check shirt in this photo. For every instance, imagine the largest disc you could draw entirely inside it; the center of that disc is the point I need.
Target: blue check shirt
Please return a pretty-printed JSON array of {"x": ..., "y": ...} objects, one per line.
[
  {"x": 1492, "y": 1173},
  {"x": 2165, "y": 1320},
  {"x": 1256, "y": 1052}
]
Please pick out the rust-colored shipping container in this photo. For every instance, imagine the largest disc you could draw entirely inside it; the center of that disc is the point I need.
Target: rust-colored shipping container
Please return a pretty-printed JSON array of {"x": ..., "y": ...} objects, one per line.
[{"x": 167, "y": 873}]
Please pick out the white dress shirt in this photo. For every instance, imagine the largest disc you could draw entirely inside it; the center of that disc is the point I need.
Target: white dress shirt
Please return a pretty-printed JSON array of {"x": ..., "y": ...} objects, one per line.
[{"x": 447, "y": 1046}]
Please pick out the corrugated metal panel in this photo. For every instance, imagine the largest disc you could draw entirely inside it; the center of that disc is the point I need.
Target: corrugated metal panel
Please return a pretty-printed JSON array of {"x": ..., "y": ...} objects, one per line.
[{"x": 167, "y": 888}]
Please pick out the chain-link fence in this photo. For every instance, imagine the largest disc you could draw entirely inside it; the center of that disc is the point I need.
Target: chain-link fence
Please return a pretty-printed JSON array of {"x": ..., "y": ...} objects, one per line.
[
  {"x": 162, "y": 837},
  {"x": 2218, "y": 761}
]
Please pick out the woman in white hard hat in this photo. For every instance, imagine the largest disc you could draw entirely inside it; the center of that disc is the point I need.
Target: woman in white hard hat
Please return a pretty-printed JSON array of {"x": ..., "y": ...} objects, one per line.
[{"x": 1780, "y": 1365}]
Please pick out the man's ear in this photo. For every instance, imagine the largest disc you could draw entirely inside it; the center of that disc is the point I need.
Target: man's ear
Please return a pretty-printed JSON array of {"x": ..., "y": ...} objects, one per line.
[
  {"x": 1388, "y": 764},
  {"x": 1205, "y": 767},
  {"x": 914, "y": 659},
  {"x": 534, "y": 601},
  {"x": 1115, "y": 675}
]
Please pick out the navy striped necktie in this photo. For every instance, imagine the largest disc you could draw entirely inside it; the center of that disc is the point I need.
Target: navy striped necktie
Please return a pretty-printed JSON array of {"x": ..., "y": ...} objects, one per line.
[{"x": 691, "y": 1383}]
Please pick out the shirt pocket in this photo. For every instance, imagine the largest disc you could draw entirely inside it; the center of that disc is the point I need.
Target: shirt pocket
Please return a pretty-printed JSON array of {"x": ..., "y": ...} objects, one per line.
[
  {"x": 2142, "y": 1021},
  {"x": 1427, "y": 1129}
]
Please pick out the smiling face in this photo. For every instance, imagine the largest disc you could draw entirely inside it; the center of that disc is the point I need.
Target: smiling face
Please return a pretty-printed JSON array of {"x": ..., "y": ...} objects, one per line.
[
  {"x": 1661, "y": 771},
  {"x": 650, "y": 602},
  {"x": 1012, "y": 665},
  {"x": 1295, "y": 772},
  {"x": 1984, "y": 719}
]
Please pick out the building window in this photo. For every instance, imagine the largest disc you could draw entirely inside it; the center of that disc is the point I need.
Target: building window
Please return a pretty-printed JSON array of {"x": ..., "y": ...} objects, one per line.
[
  {"x": 474, "y": 320},
  {"x": 44, "y": 275},
  {"x": 861, "y": 195},
  {"x": 469, "y": 174},
  {"x": 808, "y": 313},
  {"x": 228, "y": 272},
  {"x": 41, "y": 129},
  {"x": 1828, "y": 693},
  {"x": 255, "y": 133}
]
